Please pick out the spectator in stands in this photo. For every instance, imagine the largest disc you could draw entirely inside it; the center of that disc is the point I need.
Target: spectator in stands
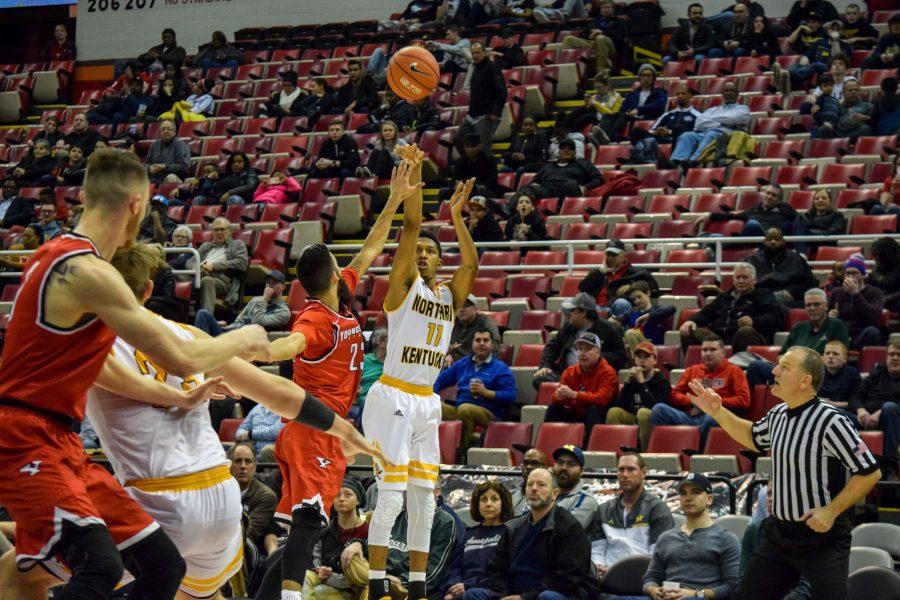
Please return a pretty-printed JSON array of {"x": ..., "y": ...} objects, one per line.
[
  {"x": 782, "y": 271},
  {"x": 823, "y": 218},
  {"x": 701, "y": 556},
  {"x": 47, "y": 217},
  {"x": 887, "y": 108},
  {"x": 630, "y": 524},
  {"x": 468, "y": 321},
  {"x": 560, "y": 352},
  {"x": 373, "y": 367},
  {"x": 491, "y": 506},
  {"x": 569, "y": 466},
  {"x": 321, "y": 100},
  {"x": 279, "y": 188},
  {"x": 886, "y": 275},
  {"x": 714, "y": 126},
  {"x": 645, "y": 321},
  {"x": 71, "y": 172},
  {"x": 269, "y": 310},
  {"x": 509, "y": 54},
  {"x": 646, "y": 102},
  {"x": 886, "y": 54},
  {"x": 485, "y": 387},
  {"x": 889, "y": 199},
  {"x": 560, "y": 10},
  {"x": 746, "y": 316},
  {"x": 416, "y": 12},
  {"x": 875, "y": 402},
  {"x": 723, "y": 18},
  {"x": 565, "y": 176},
  {"x": 49, "y": 131},
  {"x": 525, "y": 225},
  {"x": 475, "y": 161},
  {"x": 394, "y": 109},
  {"x": 163, "y": 300},
  {"x": 181, "y": 238},
  {"x": 196, "y": 107},
  {"x": 455, "y": 54},
  {"x": 339, "y": 155},
  {"x": 644, "y": 388},
  {"x": 168, "y": 158},
  {"x": 855, "y": 116},
  {"x": 841, "y": 380},
  {"x": 514, "y": 11},
  {"x": 130, "y": 104},
  {"x": 201, "y": 189},
  {"x": 669, "y": 127},
  {"x": 37, "y": 169},
  {"x": 543, "y": 554},
  {"x": 217, "y": 54},
  {"x": 587, "y": 388},
  {"x": 609, "y": 32},
  {"x": 223, "y": 265},
  {"x": 858, "y": 305},
  {"x": 170, "y": 71},
  {"x": 771, "y": 212},
  {"x": 561, "y": 132},
  {"x": 733, "y": 37},
  {"x": 286, "y": 102},
  {"x": 486, "y": 101},
  {"x": 763, "y": 39},
  {"x": 610, "y": 282},
  {"x": 258, "y": 500},
  {"x": 600, "y": 111},
  {"x": 163, "y": 102},
  {"x": 261, "y": 427},
  {"x": 425, "y": 117},
  {"x": 237, "y": 185},
  {"x": 60, "y": 47},
  {"x": 131, "y": 76},
  {"x": 801, "y": 10},
  {"x": 817, "y": 45},
  {"x": 157, "y": 226},
  {"x": 528, "y": 149},
  {"x": 728, "y": 380},
  {"x": 169, "y": 52},
  {"x": 32, "y": 237},
  {"x": 531, "y": 460},
  {"x": 694, "y": 38},
  {"x": 482, "y": 224},
  {"x": 360, "y": 93},
  {"x": 858, "y": 33}
]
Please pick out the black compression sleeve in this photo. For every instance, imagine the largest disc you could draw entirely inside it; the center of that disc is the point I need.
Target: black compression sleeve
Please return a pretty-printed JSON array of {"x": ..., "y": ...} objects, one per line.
[{"x": 315, "y": 414}]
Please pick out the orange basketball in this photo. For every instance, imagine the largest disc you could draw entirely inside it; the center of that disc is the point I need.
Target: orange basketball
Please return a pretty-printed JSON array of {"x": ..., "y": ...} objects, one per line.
[{"x": 413, "y": 73}]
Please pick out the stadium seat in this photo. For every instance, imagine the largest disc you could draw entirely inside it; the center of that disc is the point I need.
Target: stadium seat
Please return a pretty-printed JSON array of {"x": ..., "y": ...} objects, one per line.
[
  {"x": 861, "y": 557},
  {"x": 580, "y": 206},
  {"x": 501, "y": 434},
  {"x": 533, "y": 289},
  {"x": 802, "y": 175},
  {"x": 528, "y": 355},
  {"x": 670, "y": 204},
  {"x": 608, "y": 155},
  {"x": 871, "y": 356},
  {"x": 873, "y": 583},
  {"x": 885, "y": 536},
  {"x": 718, "y": 442},
  {"x": 624, "y": 205},
  {"x": 539, "y": 320},
  {"x": 847, "y": 197},
  {"x": 712, "y": 177},
  {"x": 713, "y": 203},
  {"x": 674, "y": 439},
  {"x": 625, "y": 577},
  {"x": 228, "y": 429},
  {"x": 827, "y": 148},
  {"x": 201, "y": 215},
  {"x": 884, "y": 146},
  {"x": 611, "y": 438},
  {"x": 873, "y": 224},
  {"x": 494, "y": 258},
  {"x": 449, "y": 436},
  {"x": 625, "y": 231},
  {"x": 489, "y": 287},
  {"x": 772, "y": 126},
  {"x": 751, "y": 65},
  {"x": 874, "y": 440},
  {"x": 780, "y": 152},
  {"x": 796, "y": 315},
  {"x": 842, "y": 174},
  {"x": 770, "y": 353},
  {"x": 685, "y": 256},
  {"x": 677, "y": 229},
  {"x": 736, "y": 524},
  {"x": 556, "y": 435},
  {"x": 749, "y": 176},
  {"x": 500, "y": 317},
  {"x": 662, "y": 179},
  {"x": 271, "y": 248},
  {"x": 763, "y": 103}
]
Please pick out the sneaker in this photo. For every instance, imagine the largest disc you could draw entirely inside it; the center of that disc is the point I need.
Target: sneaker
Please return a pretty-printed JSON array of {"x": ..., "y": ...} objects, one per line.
[{"x": 600, "y": 135}]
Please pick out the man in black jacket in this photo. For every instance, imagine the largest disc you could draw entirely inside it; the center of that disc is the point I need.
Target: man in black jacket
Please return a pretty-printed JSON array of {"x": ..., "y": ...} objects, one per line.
[
  {"x": 360, "y": 93},
  {"x": 394, "y": 109},
  {"x": 559, "y": 352},
  {"x": 567, "y": 176},
  {"x": 425, "y": 117},
  {"x": 14, "y": 210},
  {"x": 481, "y": 223},
  {"x": 81, "y": 135},
  {"x": 528, "y": 151},
  {"x": 875, "y": 403},
  {"x": 476, "y": 162},
  {"x": 36, "y": 169},
  {"x": 886, "y": 54},
  {"x": 487, "y": 99},
  {"x": 694, "y": 38},
  {"x": 745, "y": 316},
  {"x": 543, "y": 554},
  {"x": 509, "y": 54},
  {"x": 773, "y": 211},
  {"x": 783, "y": 272},
  {"x": 339, "y": 155},
  {"x": 167, "y": 52},
  {"x": 609, "y": 284}
]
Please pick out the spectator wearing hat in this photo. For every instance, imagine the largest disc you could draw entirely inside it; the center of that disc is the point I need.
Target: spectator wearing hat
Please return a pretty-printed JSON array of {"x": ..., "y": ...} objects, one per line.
[
  {"x": 608, "y": 34},
  {"x": 485, "y": 387},
  {"x": 569, "y": 466},
  {"x": 587, "y": 388},
  {"x": 258, "y": 500},
  {"x": 648, "y": 101},
  {"x": 694, "y": 39},
  {"x": 886, "y": 54},
  {"x": 700, "y": 556},
  {"x": 474, "y": 161},
  {"x": 509, "y": 54},
  {"x": 802, "y": 9},
  {"x": 468, "y": 321},
  {"x": 482, "y": 224},
  {"x": 286, "y": 102},
  {"x": 566, "y": 176},
  {"x": 728, "y": 380},
  {"x": 260, "y": 427},
  {"x": 610, "y": 283},
  {"x": 269, "y": 310},
  {"x": 858, "y": 305},
  {"x": 630, "y": 524},
  {"x": 157, "y": 226},
  {"x": 644, "y": 388},
  {"x": 559, "y": 353}
]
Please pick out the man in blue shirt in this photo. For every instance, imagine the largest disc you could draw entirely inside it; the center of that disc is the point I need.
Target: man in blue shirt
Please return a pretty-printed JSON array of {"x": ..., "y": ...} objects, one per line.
[{"x": 485, "y": 387}]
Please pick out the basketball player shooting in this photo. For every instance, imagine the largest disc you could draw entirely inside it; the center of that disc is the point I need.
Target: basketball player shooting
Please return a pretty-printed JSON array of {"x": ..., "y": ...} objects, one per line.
[{"x": 402, "y": 413}]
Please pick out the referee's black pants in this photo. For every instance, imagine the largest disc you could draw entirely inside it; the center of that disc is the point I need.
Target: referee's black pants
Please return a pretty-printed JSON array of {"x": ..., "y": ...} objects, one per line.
[{"x": 790, "y": 550}]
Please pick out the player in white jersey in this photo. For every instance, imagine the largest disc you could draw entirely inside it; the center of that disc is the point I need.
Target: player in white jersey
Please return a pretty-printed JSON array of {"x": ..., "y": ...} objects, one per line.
[{"x": 402, "y": 412}]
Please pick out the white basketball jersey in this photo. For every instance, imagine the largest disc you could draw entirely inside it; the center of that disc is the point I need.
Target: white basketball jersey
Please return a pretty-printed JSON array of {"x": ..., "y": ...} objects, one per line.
[
  {"x": 419, "y": 334},
  {"x": 149, "y": 442}
]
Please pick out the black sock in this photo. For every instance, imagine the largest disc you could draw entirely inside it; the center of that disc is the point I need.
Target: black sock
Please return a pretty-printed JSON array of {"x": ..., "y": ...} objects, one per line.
[
  {"x": 379, "y": 588},
  {"x": 416, "y": 590}
]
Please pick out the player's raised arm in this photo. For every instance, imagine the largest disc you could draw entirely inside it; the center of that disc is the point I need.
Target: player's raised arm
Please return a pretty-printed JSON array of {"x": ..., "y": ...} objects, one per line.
[
  {"x": 401, "y": 189},
  {"x": 403, "y": 269},
  {"x": 464, "y": 277}
]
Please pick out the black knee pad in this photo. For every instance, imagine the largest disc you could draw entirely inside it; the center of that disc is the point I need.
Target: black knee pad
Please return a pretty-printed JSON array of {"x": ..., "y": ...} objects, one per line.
[
  {"x": 157, "y": 567},
  {"x": 306, "y": 528},
  {"x": 94, "y": 560}
]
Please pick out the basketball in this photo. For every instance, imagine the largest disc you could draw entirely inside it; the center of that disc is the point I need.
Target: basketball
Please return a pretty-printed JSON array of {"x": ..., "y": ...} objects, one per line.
[{"x": 413, "y": 73}]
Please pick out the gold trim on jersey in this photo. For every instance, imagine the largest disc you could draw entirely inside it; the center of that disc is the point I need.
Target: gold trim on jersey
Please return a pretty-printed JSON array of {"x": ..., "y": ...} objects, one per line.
[
  {"x": 214, "y": 583},
  {"x": 183, "y": 483},
  {"x": 403, "y": 386},
  {"x": 405, "y": 296}
]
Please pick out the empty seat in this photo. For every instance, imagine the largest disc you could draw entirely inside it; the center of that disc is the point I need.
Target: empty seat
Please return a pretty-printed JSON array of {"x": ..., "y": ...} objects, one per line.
[
  {"x": 674, "y": 439},
  {"x": 449, "y": 435},
  {"x": 611, "y": 438},
  {"x": 501, "y": 434},
  {"x": 556, "y": 435}
]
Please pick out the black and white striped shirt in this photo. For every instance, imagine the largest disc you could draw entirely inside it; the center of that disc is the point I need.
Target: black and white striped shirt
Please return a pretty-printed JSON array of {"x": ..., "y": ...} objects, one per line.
[{"x": 813, "y": 446}]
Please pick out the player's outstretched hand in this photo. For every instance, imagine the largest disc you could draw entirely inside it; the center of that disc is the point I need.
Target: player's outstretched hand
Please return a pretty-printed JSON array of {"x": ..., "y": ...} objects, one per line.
[
  {"x": 256, "y": 343},
  {"x": 401, "y": 186},
  {"x": 211, "y": 389},
  {"x": 460, "y": 197},
  {"x": 704, "y": 398},
  {"x": 354, "y": 443},
  {"x": 412, "y": 154}
]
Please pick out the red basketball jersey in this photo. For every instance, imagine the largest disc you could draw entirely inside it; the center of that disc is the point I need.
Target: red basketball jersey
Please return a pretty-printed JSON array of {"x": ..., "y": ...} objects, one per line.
[
  {"x": 331, "y": 365},
  {"x": 44, "y": 366}
]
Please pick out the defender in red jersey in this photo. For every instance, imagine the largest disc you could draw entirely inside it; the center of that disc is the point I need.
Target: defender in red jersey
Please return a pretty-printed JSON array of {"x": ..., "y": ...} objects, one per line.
[{"x": 326, "y": 344}]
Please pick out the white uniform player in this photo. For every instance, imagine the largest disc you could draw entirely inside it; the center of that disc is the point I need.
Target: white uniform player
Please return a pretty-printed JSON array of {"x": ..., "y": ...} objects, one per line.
[
  {"x": 402, "y": 412},
  {"x": 172, "y": 463}
]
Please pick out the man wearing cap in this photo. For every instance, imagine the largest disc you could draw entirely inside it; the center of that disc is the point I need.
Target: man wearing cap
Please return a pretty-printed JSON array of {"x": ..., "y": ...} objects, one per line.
[
  {"x": 568, "y": 469},
  {"x": 269, "y": 310},
  {"x": 694, "y": 39},
  {"x": 485, "y": 387},
  {"x": 886, "y": 54},
  {"x": 644, "y": 388},
  {"x": 566, "y": 176},
  {"x": 468, "y": 321},
  {"x": 632, "y": 522},
  {"x": 285, "y": 102},
  {"x": 482, "y": 224},
  {"x": 587, "y": 388},
  {"x": 701, "y": 557},
  {"x": 157, "y": 226},
  {"x": 531, "y": 460},
  {"x": 581, "y": 316},
  {"x": 648, "y": 101},
  {"x": 258, "y": 500},
  {"x": 858, "y": 305},
  {"x": 609, "y": 283},
  {"x": 509, "y": 54}
]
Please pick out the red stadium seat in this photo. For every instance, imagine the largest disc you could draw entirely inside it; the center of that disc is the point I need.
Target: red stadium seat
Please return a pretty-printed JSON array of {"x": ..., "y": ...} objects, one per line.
[
  {"x": 500, "y": 434},
  {"x": 871, "y": 356},
  {"x": 685, "y": 256},
  {"x": 580, "y": 206},
  {"x": 489, "y": 287},
  {"x": 493, "y": 258},
  {"x": 534, "y": 289},
  {"x": 296, "y": 296},
  {"x": 704, "y": 178},
  {"x": 873, "y": 224},
  {"x": 674, "y": 204},
  {"x": 588, "y": 257},
  {"x": 689, "y": 285},
  {"x": 228, "y": 429},
  {"x": 789, "y": 150},
  {"x": 608, "y": 155},
  {"x": 449, "y": 435},
  {"x": 762, "y": 84},
  {"x": 528, "y": 355},
  {"x": 643, "y": 257},
  {"x": 831, "y": 148},
  {"x": 847, "y": 197},
  {"x": 796, "y": 315},
  {"x": 749, "y": 176},
  {"x": 556, "y": 435},
  {"x": 719, "y": 442},
  {"x": 884, "y": 145},
  {"x": 752, "y": 65},
  {"x": 676, "y": 229},
  {"x": 611, "y": 438},
  {"x": 874, "y": 440},
  {"x": 677, "y": 68},
  {"x": 835, "y": 253},
  {"x": 666, "y": 179},
  {"x": 844, "y": 174},
  {"x": 674, "y": 439},
  {"x": 545, "y": 393},
  {"x": 770, "y": 353},
  {"x": 874, "y": 77},
  {"x": 761, "y": 400},
  {"x": 271, "y": 248},
  {"x": 632, "y": 230},
  {"x": 777, "y": 126},
  {"x": 539, "y": 320},
  {"x": 803, "y": 175},
  {"x": 712, "y": 203},
  {"x": 199, "y": 215},
  {"x": 624, "y": 205}
]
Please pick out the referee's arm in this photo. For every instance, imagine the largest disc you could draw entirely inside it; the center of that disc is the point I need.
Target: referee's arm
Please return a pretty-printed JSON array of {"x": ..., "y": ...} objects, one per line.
[{"x": 711, "y": 403}]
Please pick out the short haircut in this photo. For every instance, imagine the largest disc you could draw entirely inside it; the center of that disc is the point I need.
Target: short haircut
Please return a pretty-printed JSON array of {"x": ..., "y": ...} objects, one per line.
[
  {"x": 314, "y": 269},
  {"x": 818, "y": 292},
  {"x": 473, "y": 44},
  {"x": 454, "y": 28},
  {"x": 218, "y": 35},
  {"x": 53, "y": 118},
  {"x": 839, "y": 343},
  {"x": 354, "y": 61},
  {"x": 639, "y": 286},
  {"x": 183, "y": 230},
  {"x": 554, "y": 483},
  {"x": 602, "y": 77},
  {"x": 136, "y": 264},
  {"x": 714, "y": 338},
  {"x": 221, "y": 220},
  {"x": 894, "y": 343},
  {"x": 46, "y": 198},
  {"x": 168, "y": 30},
  {"x": 112, "y": 177},
  {"x": 852, "y": 5},
  {"x": 811, "y": 363},
  {"x": 746, "y": 266},
  {"x": 825, "y": 79},
  {"x": 336, "y": 122},
  {"x": 695, "y": 5},
  {"x": 433, "y": 237},
  {"x": 640, "y": 459},
  {"x": 246, "y": 445},
  {"x": 506, "y": 504},
  {"x": 170, "y": 121},
  {"x": 841, "y": 57},
  {"x": 378, "y": 334},
  {"x": 483, "y": 329}
]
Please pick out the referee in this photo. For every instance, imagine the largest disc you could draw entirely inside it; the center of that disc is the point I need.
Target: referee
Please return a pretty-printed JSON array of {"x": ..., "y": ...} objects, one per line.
[{"x": 813, "y": 446}]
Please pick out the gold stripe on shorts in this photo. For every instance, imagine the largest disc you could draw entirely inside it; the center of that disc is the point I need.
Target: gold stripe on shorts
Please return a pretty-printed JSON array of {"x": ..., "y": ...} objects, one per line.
[
  {"x": 214, "y": 583},
  {"x": 404, "y": 386},
  {"x": 183, "y": 483}
]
